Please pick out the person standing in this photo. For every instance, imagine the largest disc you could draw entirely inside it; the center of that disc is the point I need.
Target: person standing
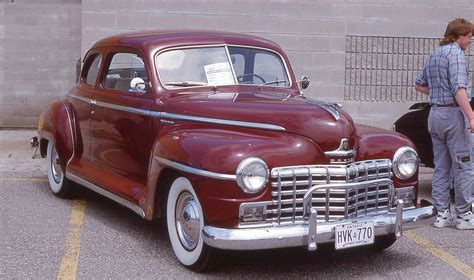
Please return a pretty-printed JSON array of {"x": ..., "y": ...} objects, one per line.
[{"x": 444, "y": 78}]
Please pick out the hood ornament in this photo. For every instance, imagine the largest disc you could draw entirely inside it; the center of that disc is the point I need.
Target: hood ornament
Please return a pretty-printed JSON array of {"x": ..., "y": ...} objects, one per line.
[
  {"x": 343, "y": 154},
  {"x": 331, "y": 108}
]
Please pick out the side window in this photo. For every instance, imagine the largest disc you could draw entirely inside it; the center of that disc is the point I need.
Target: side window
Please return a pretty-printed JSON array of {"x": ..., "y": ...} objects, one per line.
[
  {"x": 126, "y": 73},
  {"x": 93, "y": 70},
  {"x": 269, "y": 66}
]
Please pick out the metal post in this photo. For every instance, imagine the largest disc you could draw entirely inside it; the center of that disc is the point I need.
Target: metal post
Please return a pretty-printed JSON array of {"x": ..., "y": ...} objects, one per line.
[
  {"x": 313, "y": 217},
  {"x": 399, "y": 219}
]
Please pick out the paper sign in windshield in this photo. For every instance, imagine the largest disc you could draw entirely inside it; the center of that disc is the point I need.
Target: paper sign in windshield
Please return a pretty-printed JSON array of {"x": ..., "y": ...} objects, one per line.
[{"x": 219, "y": 74}]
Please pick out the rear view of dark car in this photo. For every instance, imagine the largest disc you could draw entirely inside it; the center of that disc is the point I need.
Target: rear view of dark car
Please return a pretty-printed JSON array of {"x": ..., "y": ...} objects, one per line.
[{"x": 414, "y": 125}]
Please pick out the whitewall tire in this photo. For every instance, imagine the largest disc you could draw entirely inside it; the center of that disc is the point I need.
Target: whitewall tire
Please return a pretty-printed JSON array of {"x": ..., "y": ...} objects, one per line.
[
  {"x": 185, "y": 221},
  {"x": 58, "y": 183}
]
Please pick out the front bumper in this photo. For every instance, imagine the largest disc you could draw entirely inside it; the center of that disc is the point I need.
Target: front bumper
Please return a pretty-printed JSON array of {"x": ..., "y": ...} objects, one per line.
[{"x": 310, "y": 233}]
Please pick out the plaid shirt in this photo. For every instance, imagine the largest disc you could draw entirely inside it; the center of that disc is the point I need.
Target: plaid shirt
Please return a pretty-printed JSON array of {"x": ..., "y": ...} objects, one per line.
[{"x": 444, "y": 73}]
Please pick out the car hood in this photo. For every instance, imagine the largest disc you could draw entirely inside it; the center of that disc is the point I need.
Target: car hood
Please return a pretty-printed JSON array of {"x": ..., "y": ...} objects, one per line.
[{"x": 322, "y": 122}]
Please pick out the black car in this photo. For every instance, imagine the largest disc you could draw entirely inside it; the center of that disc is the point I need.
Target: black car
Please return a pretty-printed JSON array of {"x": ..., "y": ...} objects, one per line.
[{"x": 414, "y": 125}]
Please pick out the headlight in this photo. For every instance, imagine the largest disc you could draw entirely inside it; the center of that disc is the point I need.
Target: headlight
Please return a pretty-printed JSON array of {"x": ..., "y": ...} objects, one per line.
[
  {"x": 252, "y": 175},
  {"x": 405, "y": 162}
]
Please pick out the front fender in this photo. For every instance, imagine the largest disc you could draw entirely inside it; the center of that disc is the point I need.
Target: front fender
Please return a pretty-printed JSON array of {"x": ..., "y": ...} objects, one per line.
[
  {"x": 221, "y": 151},
  {"x": 55, "y": 125},
  {"x": 376, "y": 143}
]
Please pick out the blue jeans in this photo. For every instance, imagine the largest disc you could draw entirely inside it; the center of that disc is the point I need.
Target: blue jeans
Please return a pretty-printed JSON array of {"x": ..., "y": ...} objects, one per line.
[{"x": 452, "y": 155}]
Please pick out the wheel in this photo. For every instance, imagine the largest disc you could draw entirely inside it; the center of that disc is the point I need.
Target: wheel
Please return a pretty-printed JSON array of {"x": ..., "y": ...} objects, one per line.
[
  {"x": 58, "y": 183},
  {"x": 240, "y": 78},
  {"x": 384, "y": 242},
  {"x": 185, "y": 222}
]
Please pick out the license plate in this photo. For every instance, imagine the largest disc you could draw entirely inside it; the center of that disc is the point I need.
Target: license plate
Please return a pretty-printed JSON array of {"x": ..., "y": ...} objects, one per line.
[{"x": 354, "y": 234}]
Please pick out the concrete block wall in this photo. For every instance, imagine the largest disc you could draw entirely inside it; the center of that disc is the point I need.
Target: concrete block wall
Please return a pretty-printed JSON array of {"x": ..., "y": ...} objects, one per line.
[
  {"x": 313, "y": 33},
  {"x": 38, "y": 68},
  {"x": 40, "y": 45}
]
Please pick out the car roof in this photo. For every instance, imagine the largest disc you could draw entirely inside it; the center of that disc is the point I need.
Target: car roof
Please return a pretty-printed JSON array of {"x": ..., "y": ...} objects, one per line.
[{"x": 148, "y": 41}]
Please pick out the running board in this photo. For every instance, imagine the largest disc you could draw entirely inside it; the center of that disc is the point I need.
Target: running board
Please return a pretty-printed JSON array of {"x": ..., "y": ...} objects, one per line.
[{"x": 135, "y": 208}]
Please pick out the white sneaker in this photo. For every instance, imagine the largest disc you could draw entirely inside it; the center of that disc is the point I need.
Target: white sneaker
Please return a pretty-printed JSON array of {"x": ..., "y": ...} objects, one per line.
[
  {"x": 445, "y": 219},
  {"x": 465, "y": 221}
]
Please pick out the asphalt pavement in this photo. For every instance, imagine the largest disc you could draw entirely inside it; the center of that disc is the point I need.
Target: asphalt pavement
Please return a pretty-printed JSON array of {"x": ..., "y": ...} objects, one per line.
[{"x": 91, "y": 237}]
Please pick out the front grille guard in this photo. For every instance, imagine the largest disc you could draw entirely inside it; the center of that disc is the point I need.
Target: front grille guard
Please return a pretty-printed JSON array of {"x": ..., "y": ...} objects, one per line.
[
  {"x": 311, "y": 214},
  {"x": 308, "y": 197}
]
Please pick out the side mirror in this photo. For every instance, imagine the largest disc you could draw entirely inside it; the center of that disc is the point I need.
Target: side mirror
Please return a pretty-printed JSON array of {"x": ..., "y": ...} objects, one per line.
[{"x": 304, "y": 82}]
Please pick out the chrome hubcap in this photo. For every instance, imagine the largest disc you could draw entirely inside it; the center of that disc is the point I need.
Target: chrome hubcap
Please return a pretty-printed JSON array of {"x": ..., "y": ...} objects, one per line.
[
  {"x": 55, "y": 166},
  {"x": 187, "y": 220}
]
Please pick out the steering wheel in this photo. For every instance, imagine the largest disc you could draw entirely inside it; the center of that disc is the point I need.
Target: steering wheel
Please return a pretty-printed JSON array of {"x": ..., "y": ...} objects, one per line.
[{"x": 240, "y": 78}]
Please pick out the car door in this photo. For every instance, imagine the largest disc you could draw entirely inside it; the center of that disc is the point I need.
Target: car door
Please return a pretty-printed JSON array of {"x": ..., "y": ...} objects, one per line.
[
  {"x": 80, "y": 99},
  {"x": 122, "y": 132}
]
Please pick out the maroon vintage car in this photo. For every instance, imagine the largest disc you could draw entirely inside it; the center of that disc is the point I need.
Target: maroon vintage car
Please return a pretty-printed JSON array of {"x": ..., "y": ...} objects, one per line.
[{"x": 211, "y": 132}]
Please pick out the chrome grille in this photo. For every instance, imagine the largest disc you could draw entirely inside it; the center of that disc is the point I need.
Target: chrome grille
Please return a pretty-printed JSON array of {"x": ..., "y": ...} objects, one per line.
[{"x": 289, "y": 185}]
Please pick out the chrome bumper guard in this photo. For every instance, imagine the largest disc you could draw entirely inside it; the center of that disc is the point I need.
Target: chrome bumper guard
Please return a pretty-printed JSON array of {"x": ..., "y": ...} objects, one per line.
[
  {"x": 34, "y": 145},
  {"x": 311, "y": 233}
]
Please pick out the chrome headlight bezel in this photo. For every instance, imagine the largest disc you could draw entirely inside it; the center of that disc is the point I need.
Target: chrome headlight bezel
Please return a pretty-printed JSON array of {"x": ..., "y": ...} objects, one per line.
[
  {"x": 399, "y": 154},
  {"x": 243, "y": 171}
]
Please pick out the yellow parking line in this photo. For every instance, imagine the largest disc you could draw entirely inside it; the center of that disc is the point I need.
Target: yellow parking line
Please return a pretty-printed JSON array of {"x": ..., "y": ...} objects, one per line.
[
  {"x": 24, "y": 179},
  {"x": 443, "y": 255},
  {"x": 68, "y": 267}
]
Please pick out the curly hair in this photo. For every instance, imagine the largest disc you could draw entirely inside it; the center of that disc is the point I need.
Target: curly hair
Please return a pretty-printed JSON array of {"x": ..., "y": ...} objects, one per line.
[{"x": 457, "y": 27}]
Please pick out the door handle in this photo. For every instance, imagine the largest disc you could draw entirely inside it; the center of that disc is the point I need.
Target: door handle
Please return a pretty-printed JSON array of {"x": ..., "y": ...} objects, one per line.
[{"x": 93, "y": 102}]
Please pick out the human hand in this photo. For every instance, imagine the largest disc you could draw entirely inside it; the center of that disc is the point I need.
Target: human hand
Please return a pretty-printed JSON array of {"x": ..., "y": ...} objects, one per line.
[{"x": 471, "y": 125}]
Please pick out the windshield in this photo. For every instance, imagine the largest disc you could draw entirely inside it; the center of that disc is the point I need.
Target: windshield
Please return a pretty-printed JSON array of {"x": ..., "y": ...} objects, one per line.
[{"x": 210, "y": 66}]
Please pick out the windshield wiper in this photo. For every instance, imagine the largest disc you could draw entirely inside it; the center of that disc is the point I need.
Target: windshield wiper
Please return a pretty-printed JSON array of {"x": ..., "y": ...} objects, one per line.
[
  {"x": 273, "y": 82},
  {"x": 185, "y": 84}
]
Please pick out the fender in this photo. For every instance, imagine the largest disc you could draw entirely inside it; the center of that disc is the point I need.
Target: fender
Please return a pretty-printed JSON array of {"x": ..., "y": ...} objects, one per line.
[
  {"x": 376, "y": 143},
  {"x": 419, "y": 106},
  {"x": 56, "y": 124},
  {"x": 220, "y": 150}
]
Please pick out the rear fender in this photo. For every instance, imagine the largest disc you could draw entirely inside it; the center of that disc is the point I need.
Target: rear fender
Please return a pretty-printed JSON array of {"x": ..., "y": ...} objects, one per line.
[
  {"x": 55, "y": 124},
  {"x": 419, "y": 106}
]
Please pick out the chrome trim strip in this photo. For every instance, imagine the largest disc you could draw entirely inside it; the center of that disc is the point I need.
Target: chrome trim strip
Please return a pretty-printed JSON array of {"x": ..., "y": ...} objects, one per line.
[
  {"x": 196, "y": 171},
  {"x": 80, "y": 98},
  {"x": 178, "y": 116},
  {"x": 231, "y": 66},
  {"x": 123, "y": 108},
  {"x": 73, "y": 135},
  {"x": 218, "y": 121},
  {"x": 298, "y": 235},
  {"x": 135, "y": 208}
]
